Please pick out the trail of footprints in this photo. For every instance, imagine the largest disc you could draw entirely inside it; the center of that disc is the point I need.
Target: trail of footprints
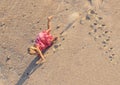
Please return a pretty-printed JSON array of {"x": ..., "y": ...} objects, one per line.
[{"x": 100, "y": 33}]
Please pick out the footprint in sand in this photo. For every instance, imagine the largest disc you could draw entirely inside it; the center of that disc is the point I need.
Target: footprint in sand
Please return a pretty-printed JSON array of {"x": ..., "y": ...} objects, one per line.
[{"x": 100, "y": 34}]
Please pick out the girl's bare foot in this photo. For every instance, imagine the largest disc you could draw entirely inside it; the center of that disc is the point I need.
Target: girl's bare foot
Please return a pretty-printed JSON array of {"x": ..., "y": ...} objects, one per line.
[
  {"x": 50, "y": 17},
  {"x": 41, "y": 61}
]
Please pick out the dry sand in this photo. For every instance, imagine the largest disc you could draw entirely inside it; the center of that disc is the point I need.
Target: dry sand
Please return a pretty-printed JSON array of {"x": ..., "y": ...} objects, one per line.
[{"x": 87, "y": 53}]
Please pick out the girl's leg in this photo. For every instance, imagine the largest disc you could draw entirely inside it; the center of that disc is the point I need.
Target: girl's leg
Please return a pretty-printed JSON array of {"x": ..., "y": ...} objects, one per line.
[
  {"x": 49, "y": 24},
  {"x": 54, "y": 40}
]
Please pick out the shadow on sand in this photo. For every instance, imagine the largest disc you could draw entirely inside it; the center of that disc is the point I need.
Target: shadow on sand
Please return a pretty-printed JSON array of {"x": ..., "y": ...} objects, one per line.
[
  {"x": 29, "y": 70},
  {"x": 67, "y": 27}
]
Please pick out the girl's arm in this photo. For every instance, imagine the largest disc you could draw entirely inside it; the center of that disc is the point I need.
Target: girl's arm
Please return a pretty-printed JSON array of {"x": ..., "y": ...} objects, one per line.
[{"x": 40, "y": 53}]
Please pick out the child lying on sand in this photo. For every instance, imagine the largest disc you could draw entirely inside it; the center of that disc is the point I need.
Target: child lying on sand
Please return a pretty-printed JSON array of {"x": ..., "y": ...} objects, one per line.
[{"x": 42, "y": 42}]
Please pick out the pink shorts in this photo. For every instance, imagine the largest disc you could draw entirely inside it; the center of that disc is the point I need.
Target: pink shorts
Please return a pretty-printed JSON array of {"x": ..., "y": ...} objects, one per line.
[{"x": 44, "y": 39}]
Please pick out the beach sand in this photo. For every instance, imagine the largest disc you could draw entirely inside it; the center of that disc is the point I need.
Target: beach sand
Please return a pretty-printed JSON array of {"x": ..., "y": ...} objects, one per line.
[{"x": 86, "y": 53}]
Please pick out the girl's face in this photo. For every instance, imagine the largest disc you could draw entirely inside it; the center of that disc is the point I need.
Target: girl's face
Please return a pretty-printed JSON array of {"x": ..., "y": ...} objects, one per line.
[{"x": 32, "y": 51}]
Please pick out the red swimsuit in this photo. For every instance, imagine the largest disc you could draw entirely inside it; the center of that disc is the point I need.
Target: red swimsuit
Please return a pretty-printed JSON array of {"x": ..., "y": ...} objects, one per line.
[{"x": 44, "y": 39}]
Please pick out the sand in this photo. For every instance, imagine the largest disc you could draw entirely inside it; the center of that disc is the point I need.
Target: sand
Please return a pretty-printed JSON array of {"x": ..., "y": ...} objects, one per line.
[{"x": 86, "y": 53}]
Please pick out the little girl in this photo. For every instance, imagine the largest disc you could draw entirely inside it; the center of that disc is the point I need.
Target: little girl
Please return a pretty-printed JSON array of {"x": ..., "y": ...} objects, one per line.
[{"x": 43, "y": 41}]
